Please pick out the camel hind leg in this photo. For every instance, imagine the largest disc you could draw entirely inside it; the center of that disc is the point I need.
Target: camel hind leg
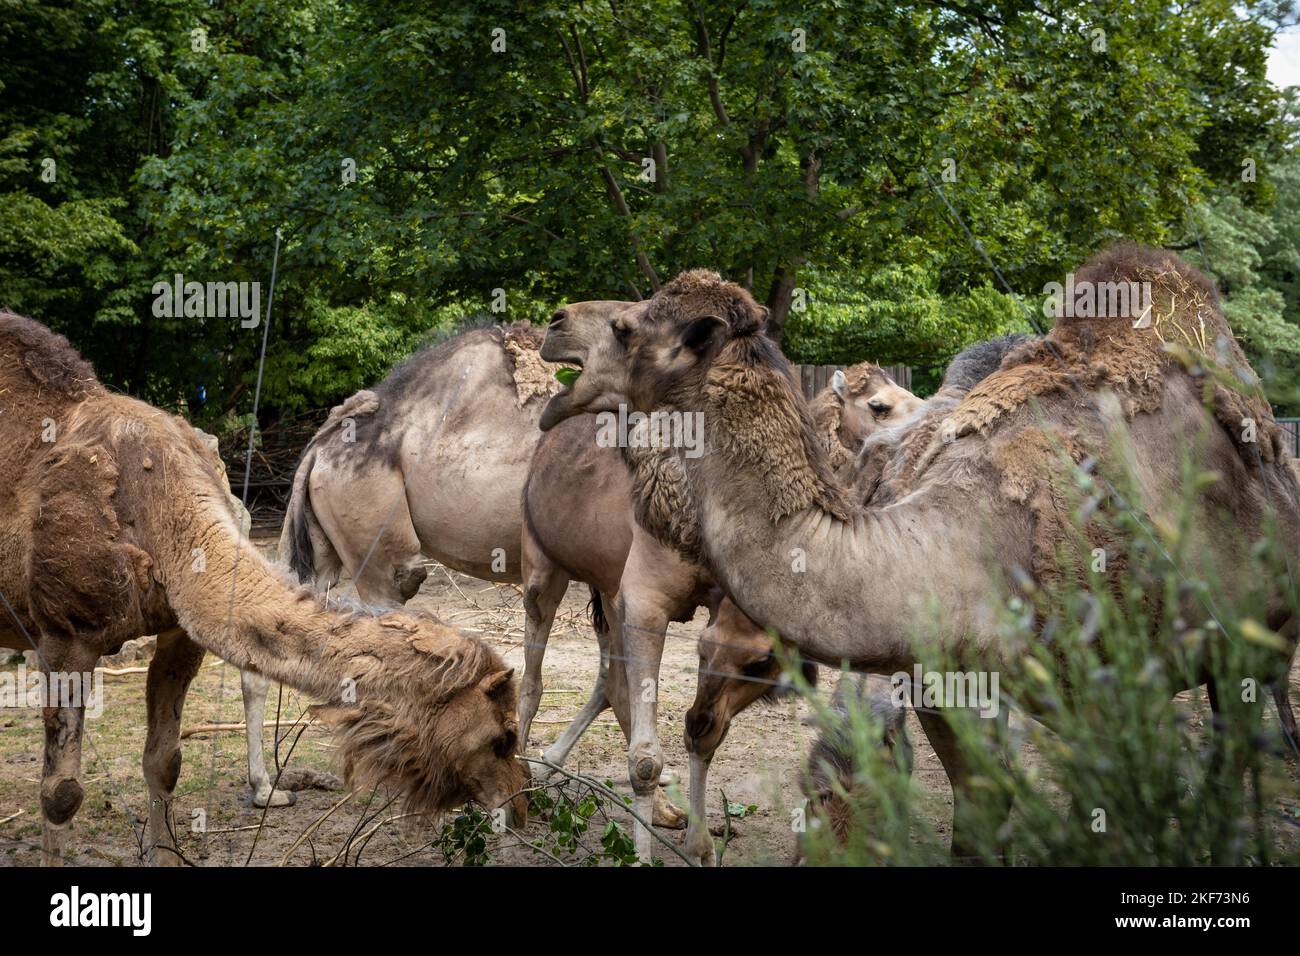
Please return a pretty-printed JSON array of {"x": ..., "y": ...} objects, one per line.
[
  {"x": 173, "y": 667},
  {"x": 597, "y": 703},
  {"x": 378, "y": 547}
]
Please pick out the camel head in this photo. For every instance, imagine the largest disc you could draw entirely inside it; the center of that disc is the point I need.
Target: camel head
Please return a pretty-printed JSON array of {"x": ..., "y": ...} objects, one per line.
[
  {"x": 580, "y": 333},
  {"x": 652, "y": 354},
  {"x": 738, "y": 666},
  {"x": 441, "y": 753},
  {"x": 481, "y": 740},
  {"x": 869, "y": 399}
]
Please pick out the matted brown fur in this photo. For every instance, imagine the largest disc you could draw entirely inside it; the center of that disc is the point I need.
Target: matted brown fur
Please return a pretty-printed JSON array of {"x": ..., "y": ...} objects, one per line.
[
  {"x": 762, "y": 412},
  {"x": 1116, "y": 355},
  {"x": 1109, "y": 353}
]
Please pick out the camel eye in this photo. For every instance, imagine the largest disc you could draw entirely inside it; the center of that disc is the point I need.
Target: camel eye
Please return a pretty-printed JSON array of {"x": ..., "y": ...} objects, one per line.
[
  {"x": 879, "y": 408},
  {"x": 620, "y": 331},
  {"x": 504, "y": 745}
]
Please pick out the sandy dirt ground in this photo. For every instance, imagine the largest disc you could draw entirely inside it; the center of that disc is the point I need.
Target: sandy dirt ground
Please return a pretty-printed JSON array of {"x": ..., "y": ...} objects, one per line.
[{"x": 758, "y": 766}]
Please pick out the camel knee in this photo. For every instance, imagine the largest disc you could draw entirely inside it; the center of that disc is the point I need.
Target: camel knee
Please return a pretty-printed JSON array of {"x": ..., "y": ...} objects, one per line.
[
  {"x": 408, "y": 579},
  {"x": 645, "y": 762},
  {"x": 60, "y": 802},
  {"x": 161, "y": 771}
]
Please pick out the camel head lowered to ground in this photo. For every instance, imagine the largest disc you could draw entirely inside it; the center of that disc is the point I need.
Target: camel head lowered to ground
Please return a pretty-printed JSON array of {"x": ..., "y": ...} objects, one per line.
[
  {"x": 985, "y": 477},
  {"x": 122, "y": 527}
]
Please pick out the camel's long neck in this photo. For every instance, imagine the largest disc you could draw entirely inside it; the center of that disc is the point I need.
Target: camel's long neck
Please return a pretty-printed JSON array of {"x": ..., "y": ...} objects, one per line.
[
  {"x": 840, "y": 584},
  {"x": 234, "y": 604}
]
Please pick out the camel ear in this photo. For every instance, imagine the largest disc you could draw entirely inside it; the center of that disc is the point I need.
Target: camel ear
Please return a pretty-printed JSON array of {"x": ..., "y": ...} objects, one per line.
[
  {"x": 496, "y": 684},
  {"x": 699, "y": 335},
  {"x": 840, "y": 385}
]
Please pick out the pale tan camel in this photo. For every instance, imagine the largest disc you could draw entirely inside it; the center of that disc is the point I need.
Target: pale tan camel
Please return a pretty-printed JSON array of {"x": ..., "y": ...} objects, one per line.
[
  {"x": 116, "y": 524},
  {"x": 743, "y": 666},
  {"x": 985, "y": 477}
]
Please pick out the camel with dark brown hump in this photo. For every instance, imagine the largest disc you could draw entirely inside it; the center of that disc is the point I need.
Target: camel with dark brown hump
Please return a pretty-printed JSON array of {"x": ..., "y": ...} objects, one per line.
[
  {"x": 116, "y": 524},
  {"x": 985, "y": 477},
  {"x": 358, "y": 505}
]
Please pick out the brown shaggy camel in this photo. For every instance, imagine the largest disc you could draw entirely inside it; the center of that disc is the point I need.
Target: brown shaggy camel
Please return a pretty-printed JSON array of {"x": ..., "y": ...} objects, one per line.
[
  {"x": 116, "y": 524},
  {"x": 476, "y": 439},
  {"x": 986, "y": 477}
]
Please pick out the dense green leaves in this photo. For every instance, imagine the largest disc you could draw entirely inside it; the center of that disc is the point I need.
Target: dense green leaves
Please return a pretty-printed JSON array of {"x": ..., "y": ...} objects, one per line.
[{"x": 420, "y": 157}]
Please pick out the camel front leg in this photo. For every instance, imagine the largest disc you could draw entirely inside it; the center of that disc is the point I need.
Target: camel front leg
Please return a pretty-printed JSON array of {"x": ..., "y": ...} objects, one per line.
[
  {"x": 255, "y": 688},
  {"x": 698, "y": 843},
  {"x": 61, "y": 792},
  {"x": 544, "y": 587},
  {"x": 642, "y": 631},
  {"x": 944, "y": 741},
  {"x": 173, "y": 667}
]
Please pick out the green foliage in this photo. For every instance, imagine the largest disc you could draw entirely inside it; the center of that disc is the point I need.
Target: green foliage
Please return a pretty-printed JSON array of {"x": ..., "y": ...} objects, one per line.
[
  {"x": 796, "y": 162},
  {"x": 465, "y": 838}
]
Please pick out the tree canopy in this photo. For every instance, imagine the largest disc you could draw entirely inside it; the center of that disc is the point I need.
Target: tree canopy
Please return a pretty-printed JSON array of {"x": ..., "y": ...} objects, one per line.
[{"x": 893, "y": 180}]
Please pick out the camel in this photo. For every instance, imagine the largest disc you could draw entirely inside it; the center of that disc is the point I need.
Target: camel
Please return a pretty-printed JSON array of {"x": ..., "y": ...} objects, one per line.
[
  {"x": 117, "y": 525},
  {"x": 738, "y": 661},
  {"x": 646, "y": 583},
  {"x": 575, "y": 495},
  {"x": 986, "y": 477},
  {"x": 832, "y": 762}
]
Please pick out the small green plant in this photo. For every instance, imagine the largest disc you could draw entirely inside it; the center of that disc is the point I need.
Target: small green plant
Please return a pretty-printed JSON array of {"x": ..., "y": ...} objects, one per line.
[{"x": 466, "y": 838}]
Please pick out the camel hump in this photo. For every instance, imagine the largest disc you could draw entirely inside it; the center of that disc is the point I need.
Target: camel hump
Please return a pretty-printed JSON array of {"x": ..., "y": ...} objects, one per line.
[
  {"x": 534, "y": 377},
  {"x": 48, "y": 357},
  {"x": 363, "y": 403},
  {"x": 1127, "y": 319}
]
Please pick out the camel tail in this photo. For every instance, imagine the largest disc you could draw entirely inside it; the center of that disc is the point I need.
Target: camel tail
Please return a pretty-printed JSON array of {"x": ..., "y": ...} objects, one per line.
[
  {"x": 295, "y": 537},
  {"x": 304, "y": 546},
  {"x": 597, "y": 606}
]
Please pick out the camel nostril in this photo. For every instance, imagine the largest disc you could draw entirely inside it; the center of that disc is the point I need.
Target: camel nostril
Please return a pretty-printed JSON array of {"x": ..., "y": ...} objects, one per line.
[{"x": 559, "y": 317}]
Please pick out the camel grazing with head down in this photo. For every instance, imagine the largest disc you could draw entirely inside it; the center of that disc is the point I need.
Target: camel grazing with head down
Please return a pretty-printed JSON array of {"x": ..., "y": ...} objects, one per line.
[
  {"x": 475, "y": 502},
  {"x": 986, "y": 477},
  {"x": 116, "y": 525}
]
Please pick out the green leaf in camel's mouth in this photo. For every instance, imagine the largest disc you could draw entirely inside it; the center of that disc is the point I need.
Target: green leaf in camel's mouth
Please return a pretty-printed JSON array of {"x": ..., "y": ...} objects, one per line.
[{"x": 567, "y": 376}]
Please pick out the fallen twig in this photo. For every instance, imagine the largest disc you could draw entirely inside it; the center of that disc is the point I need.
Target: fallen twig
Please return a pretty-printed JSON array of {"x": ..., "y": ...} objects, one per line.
[{"x": 314, "y": 824}]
